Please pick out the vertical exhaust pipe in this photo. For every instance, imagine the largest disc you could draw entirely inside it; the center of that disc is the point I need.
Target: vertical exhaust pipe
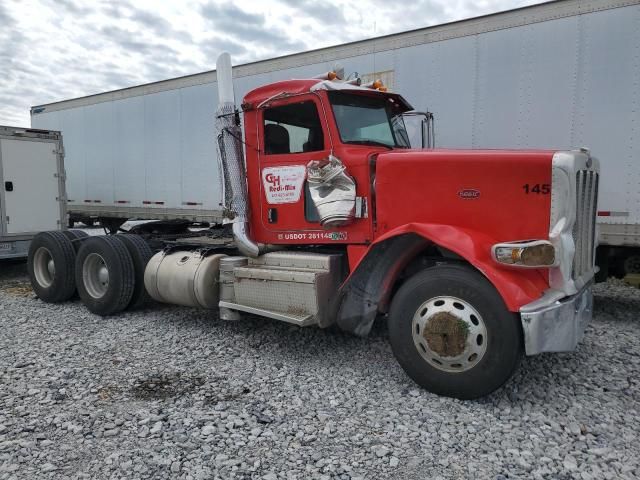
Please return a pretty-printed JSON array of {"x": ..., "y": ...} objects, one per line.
[{"x": 232, "y": 161}]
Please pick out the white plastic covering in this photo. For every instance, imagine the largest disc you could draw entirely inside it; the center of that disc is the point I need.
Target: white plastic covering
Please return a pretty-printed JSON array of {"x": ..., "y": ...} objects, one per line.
[
  {"x": 332, "y": 190},
  {"x": 337, "y": 85}
]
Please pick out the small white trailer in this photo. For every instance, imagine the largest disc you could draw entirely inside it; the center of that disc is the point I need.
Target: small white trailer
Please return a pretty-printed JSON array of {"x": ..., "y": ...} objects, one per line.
[{"x": 32, "y": 195}]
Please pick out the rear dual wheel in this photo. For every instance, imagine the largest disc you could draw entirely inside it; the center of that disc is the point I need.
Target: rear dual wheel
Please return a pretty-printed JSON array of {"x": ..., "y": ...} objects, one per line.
[
  {"x": 109, "y": 272},
  {"x": 104, "y": 275},
  {"x": 50, "y": 266},
  {"x": 140, "y": 253},
  {"x": 76, "y": 237},
  {"x": 452, "y": 333}
]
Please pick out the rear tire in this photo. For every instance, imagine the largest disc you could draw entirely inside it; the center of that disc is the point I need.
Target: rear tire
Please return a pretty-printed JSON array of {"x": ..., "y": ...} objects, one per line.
[
  {"x": 452, "y": 333},
  {"x": 104, "y": 275},
  {"x": 76, "y": 237},
  {"x": 50, "y": 265},
  {"x": 140, "y": 253}
]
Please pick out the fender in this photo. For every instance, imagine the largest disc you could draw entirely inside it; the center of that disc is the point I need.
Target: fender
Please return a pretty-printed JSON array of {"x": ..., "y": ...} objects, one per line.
[{"x": 368, "y": 289}]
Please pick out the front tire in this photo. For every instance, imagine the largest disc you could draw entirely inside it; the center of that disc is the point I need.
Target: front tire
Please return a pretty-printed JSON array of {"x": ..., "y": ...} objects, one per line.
[{"x": 452, "y": 333}]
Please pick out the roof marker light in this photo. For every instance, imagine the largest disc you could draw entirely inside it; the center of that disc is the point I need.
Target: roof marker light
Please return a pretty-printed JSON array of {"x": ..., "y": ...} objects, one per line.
[
  {"x": 332, "y": 75},
  {"x": 376, "y": 85}
]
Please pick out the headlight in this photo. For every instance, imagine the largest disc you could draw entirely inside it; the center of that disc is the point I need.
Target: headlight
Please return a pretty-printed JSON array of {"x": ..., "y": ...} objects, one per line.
[{"x": 532, "y": 254}]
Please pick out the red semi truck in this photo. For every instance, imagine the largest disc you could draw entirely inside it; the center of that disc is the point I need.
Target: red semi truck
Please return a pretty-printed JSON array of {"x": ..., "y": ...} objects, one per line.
[{"x": 475, "y": 257}]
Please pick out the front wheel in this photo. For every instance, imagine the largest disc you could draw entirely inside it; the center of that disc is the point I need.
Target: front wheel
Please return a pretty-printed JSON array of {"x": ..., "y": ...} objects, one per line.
[{"x": 452, "y": 333}]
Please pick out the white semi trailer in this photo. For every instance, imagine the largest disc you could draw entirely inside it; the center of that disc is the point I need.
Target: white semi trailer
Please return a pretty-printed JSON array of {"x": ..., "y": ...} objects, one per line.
[
  {"x": 562, "y": 74},
  {"x": 32, "y": 189}
]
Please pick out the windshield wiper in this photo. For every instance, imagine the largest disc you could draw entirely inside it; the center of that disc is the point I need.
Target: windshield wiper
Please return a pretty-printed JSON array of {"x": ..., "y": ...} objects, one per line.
[{"x": 370, "y": 142}]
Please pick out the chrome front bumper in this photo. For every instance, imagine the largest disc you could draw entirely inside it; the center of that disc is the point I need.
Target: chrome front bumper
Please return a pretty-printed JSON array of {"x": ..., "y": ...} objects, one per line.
[{"x": 556, "y": 325}]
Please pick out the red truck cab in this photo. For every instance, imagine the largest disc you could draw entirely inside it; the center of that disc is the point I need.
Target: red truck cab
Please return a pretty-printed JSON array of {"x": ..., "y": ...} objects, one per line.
[{"x": 486, "y": 233}]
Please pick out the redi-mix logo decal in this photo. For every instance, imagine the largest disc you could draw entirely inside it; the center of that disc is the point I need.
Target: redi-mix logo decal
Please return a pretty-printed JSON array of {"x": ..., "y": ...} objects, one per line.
[
  {"x": 469, "y": 194},
  {"x": 283, "y": 184}
]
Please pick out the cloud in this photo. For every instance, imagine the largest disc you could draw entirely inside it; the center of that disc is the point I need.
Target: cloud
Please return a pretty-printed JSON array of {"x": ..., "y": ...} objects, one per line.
[
  {"x": 249, "y": 27},
  {"x": 158, "y": 25},
  {"x": 59, "y": 49},
  {"x": 230, "y": 15},
  {"x": 76, "y": 8},
  {"x": 213, "y": 46},
  {"x": 329, "y": 15},
  {"x": 129, "y": 41},
  {"x": 151, "y": 20}
]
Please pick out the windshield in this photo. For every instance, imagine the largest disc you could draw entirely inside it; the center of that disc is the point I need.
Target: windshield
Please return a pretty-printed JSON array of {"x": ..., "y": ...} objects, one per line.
[{"x": 368, "y": 120}]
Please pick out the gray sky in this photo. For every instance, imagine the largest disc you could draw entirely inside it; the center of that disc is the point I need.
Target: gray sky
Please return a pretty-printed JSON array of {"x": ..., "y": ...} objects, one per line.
[{"x": 57, "y": 49}]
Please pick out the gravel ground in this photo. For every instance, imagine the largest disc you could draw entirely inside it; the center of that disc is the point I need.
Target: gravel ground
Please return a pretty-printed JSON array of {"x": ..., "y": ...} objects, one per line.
[{"x": 175, "y": 393}]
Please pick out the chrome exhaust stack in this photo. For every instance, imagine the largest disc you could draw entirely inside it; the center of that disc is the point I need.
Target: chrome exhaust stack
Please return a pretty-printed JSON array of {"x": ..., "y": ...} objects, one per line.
[{"x": 232, "y": 161}]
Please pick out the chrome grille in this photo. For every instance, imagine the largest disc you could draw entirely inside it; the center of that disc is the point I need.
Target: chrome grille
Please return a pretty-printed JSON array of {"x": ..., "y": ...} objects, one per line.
[{"x": 585, "y": 225}]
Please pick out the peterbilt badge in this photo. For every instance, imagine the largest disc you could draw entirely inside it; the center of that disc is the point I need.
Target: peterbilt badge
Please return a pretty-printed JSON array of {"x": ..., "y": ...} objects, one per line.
[{"x": 469, "y": 194}]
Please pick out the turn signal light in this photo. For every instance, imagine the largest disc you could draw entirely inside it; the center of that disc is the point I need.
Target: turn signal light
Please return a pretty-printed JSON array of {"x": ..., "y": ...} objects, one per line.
[{"x": 532, "y": 254}]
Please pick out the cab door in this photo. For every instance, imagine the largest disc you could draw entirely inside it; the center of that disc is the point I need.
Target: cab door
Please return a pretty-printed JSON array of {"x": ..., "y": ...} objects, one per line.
[{"x": 291, "y": 135}]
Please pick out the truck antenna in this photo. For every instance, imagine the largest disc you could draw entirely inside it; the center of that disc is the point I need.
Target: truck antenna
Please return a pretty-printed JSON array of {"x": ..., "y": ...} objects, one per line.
[{"x": 374, "y": 49}]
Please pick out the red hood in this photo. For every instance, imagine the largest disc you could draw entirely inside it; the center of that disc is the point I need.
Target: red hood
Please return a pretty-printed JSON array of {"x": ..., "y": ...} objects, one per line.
[
  {"x": 481, "y": 190},
  {"x": 473, "y": 152}
]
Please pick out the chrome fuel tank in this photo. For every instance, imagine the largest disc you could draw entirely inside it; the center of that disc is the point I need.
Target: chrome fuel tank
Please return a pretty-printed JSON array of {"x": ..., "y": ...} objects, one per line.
[{"x": 186, "y": 278}]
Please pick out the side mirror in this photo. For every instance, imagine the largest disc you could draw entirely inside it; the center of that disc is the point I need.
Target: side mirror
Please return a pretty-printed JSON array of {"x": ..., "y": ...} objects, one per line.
[{"x": 420, "y": 129}]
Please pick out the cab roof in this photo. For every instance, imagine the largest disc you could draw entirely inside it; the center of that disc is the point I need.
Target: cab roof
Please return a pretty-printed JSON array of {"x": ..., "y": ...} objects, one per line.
[{"x": 298, "y": 87}]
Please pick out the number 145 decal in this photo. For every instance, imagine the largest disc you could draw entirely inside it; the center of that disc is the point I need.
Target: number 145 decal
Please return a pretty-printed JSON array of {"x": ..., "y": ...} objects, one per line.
[{"x": 538, "y": 188}]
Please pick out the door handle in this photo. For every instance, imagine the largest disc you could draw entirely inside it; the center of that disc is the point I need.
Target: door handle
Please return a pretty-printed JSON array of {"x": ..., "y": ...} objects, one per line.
[
  {"x": 272, "y": 215},
  {"x": 8, "y": 186}
]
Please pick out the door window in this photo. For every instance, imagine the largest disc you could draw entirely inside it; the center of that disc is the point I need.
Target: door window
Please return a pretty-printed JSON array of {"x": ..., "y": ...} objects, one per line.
[{"x": 292, "y": 128}]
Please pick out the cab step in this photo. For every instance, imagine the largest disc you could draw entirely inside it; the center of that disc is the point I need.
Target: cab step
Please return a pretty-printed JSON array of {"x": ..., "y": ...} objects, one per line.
[{"x": 302, "y": 320}]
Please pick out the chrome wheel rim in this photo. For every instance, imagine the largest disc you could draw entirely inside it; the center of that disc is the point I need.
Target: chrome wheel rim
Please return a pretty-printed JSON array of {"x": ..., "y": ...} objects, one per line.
[
  {"x": 44, "y": 268},
  {"x": 95, "y": 275},
  {"x": 449, "y": 334}
]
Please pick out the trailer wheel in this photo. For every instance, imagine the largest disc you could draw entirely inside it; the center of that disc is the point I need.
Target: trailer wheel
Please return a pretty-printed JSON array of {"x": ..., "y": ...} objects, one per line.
[
  {"x": 140, "y": 253},
  {"x": 76, "y": 237},
  {"x": 50, "y": 265},
  {"x": 452, "y": 333},
  {"x": 104, "y": 275}
]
